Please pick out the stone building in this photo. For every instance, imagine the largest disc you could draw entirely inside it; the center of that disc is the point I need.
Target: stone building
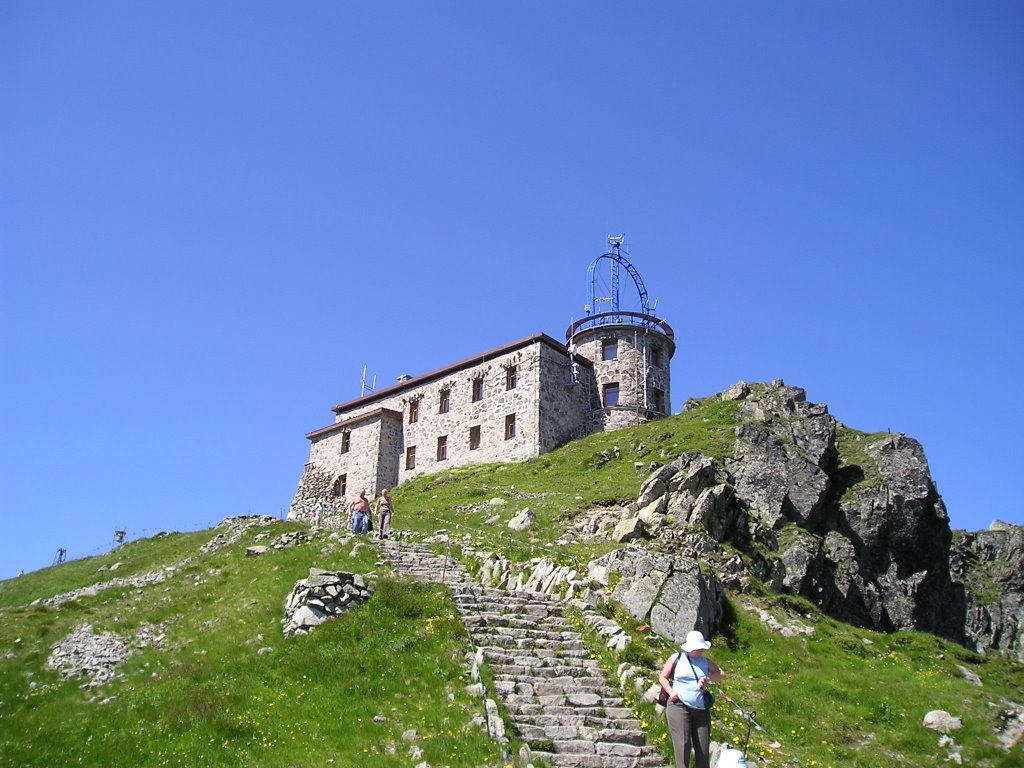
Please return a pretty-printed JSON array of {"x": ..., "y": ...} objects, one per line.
[{"x": 508, "y": 404}]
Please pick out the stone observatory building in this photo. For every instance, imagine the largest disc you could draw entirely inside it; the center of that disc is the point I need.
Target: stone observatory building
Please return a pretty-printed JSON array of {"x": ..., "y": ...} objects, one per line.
[{"x": 510, "y": 403}]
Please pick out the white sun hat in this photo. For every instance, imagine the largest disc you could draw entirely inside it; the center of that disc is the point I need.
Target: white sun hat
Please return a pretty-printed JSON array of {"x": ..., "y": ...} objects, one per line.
[{"x": 694, "y": 641}]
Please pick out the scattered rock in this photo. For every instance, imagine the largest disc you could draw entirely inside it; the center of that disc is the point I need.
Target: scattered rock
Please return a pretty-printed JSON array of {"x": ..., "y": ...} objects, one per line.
[
  {"x": 969, "y": 675},
  {"x": 523, "y": 520},
  {"x": 940, "y": 720}
]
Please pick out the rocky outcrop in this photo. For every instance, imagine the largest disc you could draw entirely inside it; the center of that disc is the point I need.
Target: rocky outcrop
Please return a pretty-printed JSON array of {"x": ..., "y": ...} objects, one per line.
[
  {"x": 852, "y": 522},
  {"x": 991, "y": 566},
  {"x": 232, "y": 529}
]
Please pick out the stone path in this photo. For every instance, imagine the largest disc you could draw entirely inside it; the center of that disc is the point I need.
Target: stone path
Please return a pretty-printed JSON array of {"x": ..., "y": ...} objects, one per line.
[{"x": 554, "y": 693}]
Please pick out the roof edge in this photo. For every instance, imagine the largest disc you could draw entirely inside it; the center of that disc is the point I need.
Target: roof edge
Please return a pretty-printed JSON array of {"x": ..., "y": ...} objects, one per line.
[
  {"x": 341, "y": 425},
  {"x": 484, "y": 357}
]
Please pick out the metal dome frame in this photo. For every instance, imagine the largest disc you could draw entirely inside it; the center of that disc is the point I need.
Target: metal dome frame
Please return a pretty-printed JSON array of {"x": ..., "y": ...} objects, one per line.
[{"x": 615, "y": 315}]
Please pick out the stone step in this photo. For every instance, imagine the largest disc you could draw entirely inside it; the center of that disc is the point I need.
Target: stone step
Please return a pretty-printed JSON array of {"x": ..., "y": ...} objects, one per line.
[
  {"x": 583, "y": 668},
  {"x": 553, "y": 692}
]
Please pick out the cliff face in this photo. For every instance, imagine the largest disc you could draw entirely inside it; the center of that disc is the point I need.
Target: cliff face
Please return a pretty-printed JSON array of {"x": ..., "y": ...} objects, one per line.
[
  {"x": 849, "y": 521},
  {"x": 990, "y": 564}
]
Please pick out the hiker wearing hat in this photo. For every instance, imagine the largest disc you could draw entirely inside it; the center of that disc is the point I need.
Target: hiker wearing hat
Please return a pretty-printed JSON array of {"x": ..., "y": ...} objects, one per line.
[{"x": 685, "y": 678}]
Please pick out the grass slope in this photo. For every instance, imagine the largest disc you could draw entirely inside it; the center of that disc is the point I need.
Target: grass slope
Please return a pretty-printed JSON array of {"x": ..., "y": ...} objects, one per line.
[{"x": 385, "y": 684}]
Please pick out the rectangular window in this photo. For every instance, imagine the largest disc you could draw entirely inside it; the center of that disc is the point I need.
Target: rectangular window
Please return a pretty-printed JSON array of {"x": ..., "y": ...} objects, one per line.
[
  {"x": 656, "y": 355},
  {"x": 659, "y": 401},
  {"x": 410, "y": 457},
  {"x": 346, "y": 442},
  {"x": 478, "y": 389},
  {"x": 611, "y": 395},
  {"x": 414, "y": 411},
  {"x": 510, "y": 426},
  {"x": 474, "y": 437},
  {"x": 609, "y": 349},
  {"x": 442, "y": 448},
  {"x": 510, "y": 377},
  {"x": 340, "y": 486},
  {"x": 444, "y": 401}
]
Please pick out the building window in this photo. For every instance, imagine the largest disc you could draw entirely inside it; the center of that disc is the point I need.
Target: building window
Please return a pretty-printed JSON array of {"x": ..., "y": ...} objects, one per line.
[
  {"x": 474, "y": 437},
  {"x": 609, "y": 349},
  {"x": 444, "y": 401},
  {"x": 659, "y": 400},
  {"x": 478, "y": 389},
  {"x": 410, "y": 457},
  {"x": 656, "y": 355},
  {"x": 340, "y": 486},
  {"x": 346, "y": 441},
  {"x": 510, "y": 377},
  {"x": 510, "y": 426},
  {"x": 611, "y": 395},
  {"x": 442, "y": 448},
  {"x": 414, "y": 411}
]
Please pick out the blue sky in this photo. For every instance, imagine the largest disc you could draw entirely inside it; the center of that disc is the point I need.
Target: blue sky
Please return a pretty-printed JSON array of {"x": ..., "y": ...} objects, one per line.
[{"x": 212, "y": 216}]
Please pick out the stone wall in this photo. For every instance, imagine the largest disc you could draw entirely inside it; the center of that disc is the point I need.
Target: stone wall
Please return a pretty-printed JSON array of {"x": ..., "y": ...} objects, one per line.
[
  {"x": 488, "y": 413},
  {"x": 640, "y": 368},
  {"x": 353, "y": 451},
  {"x": 564, "y": 404}
]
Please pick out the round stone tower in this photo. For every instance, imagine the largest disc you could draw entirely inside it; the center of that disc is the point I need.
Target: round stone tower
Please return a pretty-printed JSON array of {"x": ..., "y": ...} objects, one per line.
[{"x": 631, "y": 350}]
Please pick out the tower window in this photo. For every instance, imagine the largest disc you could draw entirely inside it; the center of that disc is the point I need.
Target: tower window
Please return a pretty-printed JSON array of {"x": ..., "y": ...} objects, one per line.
[
  {"x": 346, "y": 441},
  {"x": 410, "y": 457},
  {"x": 510, "y": 426},
  {"x": 442, "y": 448},
  {"x": 659, "y": 401},
  {"x": 478, "y": 389},
  {"x": 609, "y": 349},
  {"x": 611, "y": 395},
  {"x": 657, "y": 355},
  {"x": 510, "y": 377},
  {"x": 474, "y": 437},
  {"x": 414, "y": 411},
  {"x": 444, "y": 401},
  {"x": 340, "y": 486}
]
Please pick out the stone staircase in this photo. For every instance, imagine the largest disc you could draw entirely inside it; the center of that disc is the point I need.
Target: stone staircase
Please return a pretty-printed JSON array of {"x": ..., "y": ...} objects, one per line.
[{"x": 555, "y": 695}]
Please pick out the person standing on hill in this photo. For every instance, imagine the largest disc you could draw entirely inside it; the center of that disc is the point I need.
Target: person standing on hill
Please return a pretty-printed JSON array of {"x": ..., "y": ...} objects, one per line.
[
  {"x": 359, "y": 513},
  {"x": 383, "y": 510},
  {"x": 684, "y": 678}
]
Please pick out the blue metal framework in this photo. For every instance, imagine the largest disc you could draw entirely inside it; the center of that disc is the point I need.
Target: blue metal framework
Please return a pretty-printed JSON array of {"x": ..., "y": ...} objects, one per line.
[{"x": 614, "y": 314}]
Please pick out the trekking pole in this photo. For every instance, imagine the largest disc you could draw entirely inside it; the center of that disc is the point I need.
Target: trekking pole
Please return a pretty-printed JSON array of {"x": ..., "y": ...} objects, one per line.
[{"x": 750, "y": 725}]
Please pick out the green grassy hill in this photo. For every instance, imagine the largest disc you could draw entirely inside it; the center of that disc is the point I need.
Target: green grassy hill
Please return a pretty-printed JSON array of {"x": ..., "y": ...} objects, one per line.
[{"x": 210, "y": 680}]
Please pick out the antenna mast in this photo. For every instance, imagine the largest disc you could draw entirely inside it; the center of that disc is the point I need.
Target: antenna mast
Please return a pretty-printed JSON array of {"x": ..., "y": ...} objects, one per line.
[{"x": 363, "y": 388}]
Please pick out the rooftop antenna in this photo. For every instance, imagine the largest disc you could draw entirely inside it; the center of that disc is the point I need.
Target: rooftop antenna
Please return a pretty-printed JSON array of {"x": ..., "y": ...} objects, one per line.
[{"x": 363, "y": 388}]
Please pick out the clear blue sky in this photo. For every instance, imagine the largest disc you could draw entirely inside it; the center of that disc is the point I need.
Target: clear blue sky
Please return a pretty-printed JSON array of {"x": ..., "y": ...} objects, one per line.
[{"x": 213, "y": 215}]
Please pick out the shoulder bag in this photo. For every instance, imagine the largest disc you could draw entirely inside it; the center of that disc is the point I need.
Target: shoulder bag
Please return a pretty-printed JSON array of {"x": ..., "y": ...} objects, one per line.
[
  {"x": 662, "y": 695},
  {"x": 707, "y": 696}
]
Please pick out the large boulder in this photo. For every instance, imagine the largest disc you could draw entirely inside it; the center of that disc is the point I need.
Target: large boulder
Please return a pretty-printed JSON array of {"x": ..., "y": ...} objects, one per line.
[{"x": 669, "y": 592}]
